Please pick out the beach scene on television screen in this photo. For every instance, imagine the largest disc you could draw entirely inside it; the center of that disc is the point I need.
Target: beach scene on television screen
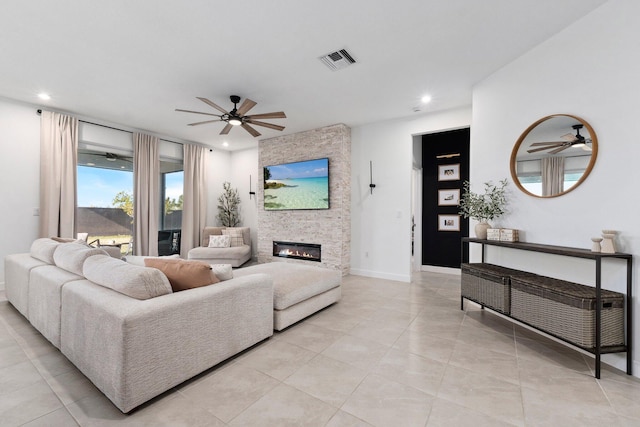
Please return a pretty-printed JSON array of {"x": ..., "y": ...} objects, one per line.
[{"x": 300, "y": 185}]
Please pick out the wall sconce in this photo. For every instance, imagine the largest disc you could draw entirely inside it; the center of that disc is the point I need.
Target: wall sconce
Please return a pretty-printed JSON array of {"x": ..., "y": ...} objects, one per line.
[
  {"x": 251, "y": 193},
  {"x": 371, "y": 184}
]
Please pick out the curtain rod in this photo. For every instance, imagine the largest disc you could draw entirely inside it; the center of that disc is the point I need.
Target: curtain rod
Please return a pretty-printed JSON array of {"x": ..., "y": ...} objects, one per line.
[{"x": 122, "y": 130}]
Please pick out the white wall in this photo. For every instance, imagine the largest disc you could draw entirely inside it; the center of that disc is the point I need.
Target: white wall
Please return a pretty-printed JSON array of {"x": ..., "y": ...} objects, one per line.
[
  {"x": 381, "y": 222},
  {"x": 20, "y": 166},
  {"x": 244, "y": 164},
  {"x": 590, "y": 70}
]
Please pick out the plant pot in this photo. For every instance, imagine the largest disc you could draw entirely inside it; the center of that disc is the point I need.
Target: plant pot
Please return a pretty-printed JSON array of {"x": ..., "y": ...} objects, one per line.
[{"x": 481, "y": 230}]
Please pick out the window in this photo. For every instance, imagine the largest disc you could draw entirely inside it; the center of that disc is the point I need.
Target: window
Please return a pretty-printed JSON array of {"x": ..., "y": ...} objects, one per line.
[
  {"x": 171, "y": 189},
  {"x": 105, "y": 196}
]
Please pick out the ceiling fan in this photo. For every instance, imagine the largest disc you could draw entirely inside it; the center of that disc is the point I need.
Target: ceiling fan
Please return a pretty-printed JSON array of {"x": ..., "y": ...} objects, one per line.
[
  {"x": 569, "y": 140},
  {"x": 238, "y": 117}
]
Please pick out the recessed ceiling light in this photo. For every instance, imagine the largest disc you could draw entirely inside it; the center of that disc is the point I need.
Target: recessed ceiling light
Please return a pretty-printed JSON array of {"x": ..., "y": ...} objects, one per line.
[
  {"x": 44, "y": 96},
  {"x": 426, "y": 99},
  {"x": 225, "y": 144}
]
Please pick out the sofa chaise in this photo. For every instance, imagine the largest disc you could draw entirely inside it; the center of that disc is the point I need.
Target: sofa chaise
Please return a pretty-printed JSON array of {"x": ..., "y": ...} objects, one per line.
[
  {"x": 124, "y": 327},
  {"x": 236, "y": 254}
]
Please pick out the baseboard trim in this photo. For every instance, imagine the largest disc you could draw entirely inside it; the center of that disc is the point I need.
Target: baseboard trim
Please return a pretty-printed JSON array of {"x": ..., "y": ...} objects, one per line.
[
  {"x": 445, "y": 270},
  {"x": 380, "y": 275}
]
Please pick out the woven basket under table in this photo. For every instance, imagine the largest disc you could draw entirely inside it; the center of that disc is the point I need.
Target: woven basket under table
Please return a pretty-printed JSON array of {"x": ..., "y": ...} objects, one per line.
[
  {"x": 488, "y": 285},
  {"x": 568, "y": 310}
]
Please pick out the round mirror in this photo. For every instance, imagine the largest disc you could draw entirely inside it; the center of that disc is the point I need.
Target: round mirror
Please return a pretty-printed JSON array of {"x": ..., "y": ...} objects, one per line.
[{"x": 554, "y": 155}]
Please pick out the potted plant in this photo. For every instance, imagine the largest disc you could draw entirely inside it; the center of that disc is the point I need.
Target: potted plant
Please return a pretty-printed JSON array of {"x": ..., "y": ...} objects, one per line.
[
  {"x": 228, "y": 206},
  {"x": 483, "y": 207}
]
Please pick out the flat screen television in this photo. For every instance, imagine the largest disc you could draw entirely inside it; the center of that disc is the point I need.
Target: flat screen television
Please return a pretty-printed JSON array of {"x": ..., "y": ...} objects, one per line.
[{"x": 298, "y": 185}]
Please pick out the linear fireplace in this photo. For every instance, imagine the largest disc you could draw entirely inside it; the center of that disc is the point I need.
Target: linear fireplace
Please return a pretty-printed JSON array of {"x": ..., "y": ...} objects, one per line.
[{"x": 305, "y": 251}]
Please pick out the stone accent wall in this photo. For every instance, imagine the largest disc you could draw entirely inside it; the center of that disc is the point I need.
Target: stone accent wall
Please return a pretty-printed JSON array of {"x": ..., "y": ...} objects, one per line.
[{"x": 330, "y": 228}]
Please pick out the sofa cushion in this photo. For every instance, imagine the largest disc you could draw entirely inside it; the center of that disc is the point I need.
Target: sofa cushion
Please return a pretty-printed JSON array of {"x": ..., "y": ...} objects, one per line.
[
  {"x": 222, "y": 254},
  {"x": 222, "y": 271},
  {"x": 223, "y": 241},
  {"x": 139, "y": 259},
  {"x": 71, "y": 256},
  {"x": 210, "y": 231},
  {"x": 236, "y": 236},
  {"x": 43, "y": 249},
  {"x": 131, "y": 280},
  {"x": 183, "y": 274}
]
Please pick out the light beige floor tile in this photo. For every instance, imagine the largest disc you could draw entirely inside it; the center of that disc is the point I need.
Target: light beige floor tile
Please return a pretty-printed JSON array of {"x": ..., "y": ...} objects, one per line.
[
  {"x": 485, "y": 361},
  {"x": 343, "y": 419},
  {"x": 327, "y": 379},
  {"x": 358, "y": 352},
  {"x": 15, "y": 377},
  {"x": 230, "y": 391},
  {"x": 309, "y": 336},
  {"x": 382, "y": 402},
  {"x": 72, "y": 386},
  {"x": 544, "y": 350},
  {"x": 429, "y": 346},
  {"x": 624, "y": 397},
  {"x": 12, "y": 354},
  {"x": 58, "y": 418},
  {"x": 544, "y": 409},
  {"x": 380, "y": 331},
  {"x": 447, "y": 414},
  {"x": 489, "y": 395},
  {"x": 278, "y": 359},
  {"x": 286, "y": 406},
  {"x": 335, "y": 321},
  {"x": 483, "y": 336},
  {"x": 27, "y": 404},
  {"x": 412, "y": 370},
  {"x": 52, "y": 364}
]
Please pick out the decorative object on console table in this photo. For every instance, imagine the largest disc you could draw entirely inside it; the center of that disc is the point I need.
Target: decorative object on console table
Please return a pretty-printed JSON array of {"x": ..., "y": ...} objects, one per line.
[
  {"x": 509, "y": 235},
  {"x": 595, "y": 247},
  {"x": 608, "y": 245},
  {"x": 493, "y": 234},
  {"x": 483, "y": 207}
]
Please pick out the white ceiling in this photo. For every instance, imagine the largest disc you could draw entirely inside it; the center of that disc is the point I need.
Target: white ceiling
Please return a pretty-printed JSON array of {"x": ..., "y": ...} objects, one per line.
[{"x": 132, "y": 63}]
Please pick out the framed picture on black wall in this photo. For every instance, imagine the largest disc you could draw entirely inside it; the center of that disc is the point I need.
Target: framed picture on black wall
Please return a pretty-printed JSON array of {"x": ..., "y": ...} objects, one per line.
[
  {"x": 449, "y": 197},
  {"x": 448, "y": 222},
  {"x": 449, "y": 172}
]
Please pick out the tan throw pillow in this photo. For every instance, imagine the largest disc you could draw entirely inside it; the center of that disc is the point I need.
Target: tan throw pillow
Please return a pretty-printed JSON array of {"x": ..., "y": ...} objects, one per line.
[
  {"x": 183, "y": 274},
  {"x": 223, "y": 241},
  {"x": 236, "y": 236}
]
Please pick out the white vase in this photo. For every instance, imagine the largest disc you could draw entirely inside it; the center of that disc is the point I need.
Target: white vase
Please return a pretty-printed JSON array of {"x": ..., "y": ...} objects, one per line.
[{"x": 481, "y": 230}]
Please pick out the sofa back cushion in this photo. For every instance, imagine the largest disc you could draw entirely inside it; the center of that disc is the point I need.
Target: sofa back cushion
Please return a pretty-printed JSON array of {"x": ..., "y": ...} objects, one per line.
[
  {"x": 71, "y": 256},
  {"x": 183, "y": 274},
  {"x": 43, "y": 249},
  {"x": 132, "y": 280}
]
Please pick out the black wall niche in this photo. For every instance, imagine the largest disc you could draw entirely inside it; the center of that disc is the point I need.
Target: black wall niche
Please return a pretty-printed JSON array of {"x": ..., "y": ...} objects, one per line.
[{"x": 445, "y": 166}]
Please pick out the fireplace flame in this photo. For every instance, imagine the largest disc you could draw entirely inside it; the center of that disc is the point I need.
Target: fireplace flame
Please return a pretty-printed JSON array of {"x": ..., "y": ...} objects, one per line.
[{"x": 289, "y": 252}]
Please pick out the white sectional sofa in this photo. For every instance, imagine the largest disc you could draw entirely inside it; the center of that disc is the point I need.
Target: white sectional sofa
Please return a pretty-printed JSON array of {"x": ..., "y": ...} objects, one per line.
[
  {"x": 122, "y": 325},
  {"x": 234, "y": 255}
]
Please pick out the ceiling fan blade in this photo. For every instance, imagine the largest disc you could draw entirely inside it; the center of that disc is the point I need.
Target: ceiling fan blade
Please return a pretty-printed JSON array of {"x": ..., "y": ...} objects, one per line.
[
  {"x": 275, "y": 115},
  {"x": 197, "y": 112},
  {"x": 548, "y": 143},
  {"x": 569, "y": 137},
  {"x": 206, "y": 101},
  {"x": 203, "y": 123},
  {"x": 247, "y": 104},
  {"x": 226, "y": 129},
  {"x": 267, "y": 125},
  {"x": 535, "y": 150},
  {"x": 557, "y": 150},
  {"x": 251, "y": 130}
]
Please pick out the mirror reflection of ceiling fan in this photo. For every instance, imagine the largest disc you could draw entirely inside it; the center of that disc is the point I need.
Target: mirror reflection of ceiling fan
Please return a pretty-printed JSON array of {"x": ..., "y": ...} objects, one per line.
[
  {"x": 569, "y": 140},
  {"x": 238, "y": 117}
]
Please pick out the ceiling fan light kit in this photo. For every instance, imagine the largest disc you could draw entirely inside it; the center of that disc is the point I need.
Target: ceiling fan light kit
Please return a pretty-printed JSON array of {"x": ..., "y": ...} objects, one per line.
[{"x": 238, "y": 116}]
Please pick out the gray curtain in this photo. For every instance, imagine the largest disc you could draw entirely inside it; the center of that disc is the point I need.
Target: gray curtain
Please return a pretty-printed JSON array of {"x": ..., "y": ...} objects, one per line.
[
  {"x": 552, "y": 175},
  {"x": 194, "y": 204},
  {"x": 146, "y": 194},
  {"x": 58, "y": 161}
]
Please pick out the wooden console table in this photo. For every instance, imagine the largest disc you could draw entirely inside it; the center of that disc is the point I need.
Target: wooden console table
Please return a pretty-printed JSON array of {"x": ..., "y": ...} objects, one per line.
[{"x": 597, "y": 257}]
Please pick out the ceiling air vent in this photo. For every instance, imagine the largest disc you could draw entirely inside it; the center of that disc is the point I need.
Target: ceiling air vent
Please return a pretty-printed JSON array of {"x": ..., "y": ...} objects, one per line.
[{"x": 337, "y": 60}]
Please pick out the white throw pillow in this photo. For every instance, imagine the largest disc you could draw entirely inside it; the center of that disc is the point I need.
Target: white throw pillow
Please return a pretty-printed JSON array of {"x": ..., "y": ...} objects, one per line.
[
  {"x": 217, "y": 241},
  {"x": 222, "y": 271}
]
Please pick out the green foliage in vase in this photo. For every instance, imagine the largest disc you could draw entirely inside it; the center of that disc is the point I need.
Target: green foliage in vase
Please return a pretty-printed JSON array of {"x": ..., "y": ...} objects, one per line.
[
  {"x": 483, "y": 207},
  {"x": 228, "y": 206}
]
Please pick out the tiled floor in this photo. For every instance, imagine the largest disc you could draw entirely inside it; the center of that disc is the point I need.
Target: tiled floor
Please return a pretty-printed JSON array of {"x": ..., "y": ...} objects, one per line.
[{"x": 389, "y": 354}]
